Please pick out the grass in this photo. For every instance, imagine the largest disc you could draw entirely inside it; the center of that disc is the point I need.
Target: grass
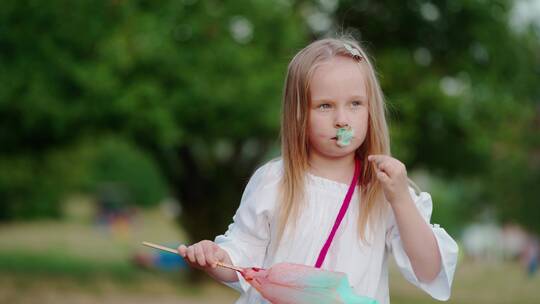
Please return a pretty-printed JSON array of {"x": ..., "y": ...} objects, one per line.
[
  {"x": 147, "y": 288},
  {"x": 77, "y": 261},
  {"x": 60, "y": 264},
  {"x": 477, "y": 282}
]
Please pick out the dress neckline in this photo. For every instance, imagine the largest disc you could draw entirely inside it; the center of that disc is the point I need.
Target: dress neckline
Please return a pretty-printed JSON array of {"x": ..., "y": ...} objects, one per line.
[{"x": 327, "y": 183}]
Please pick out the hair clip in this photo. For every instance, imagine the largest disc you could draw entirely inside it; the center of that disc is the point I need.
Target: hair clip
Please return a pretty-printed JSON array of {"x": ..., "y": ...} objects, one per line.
[{"x": 354, "y": 51}]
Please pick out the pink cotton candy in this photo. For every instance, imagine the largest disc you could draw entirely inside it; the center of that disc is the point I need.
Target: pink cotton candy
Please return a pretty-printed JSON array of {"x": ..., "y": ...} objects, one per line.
[{"x": 287, "y": 283}]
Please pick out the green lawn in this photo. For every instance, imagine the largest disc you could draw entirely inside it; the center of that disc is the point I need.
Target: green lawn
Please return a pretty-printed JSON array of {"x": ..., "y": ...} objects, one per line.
[{"x": 480, "y": 282}]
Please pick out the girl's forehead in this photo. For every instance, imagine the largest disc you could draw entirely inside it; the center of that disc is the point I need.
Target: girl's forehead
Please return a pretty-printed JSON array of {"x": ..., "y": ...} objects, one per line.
[{"x": 337, "y": 77}]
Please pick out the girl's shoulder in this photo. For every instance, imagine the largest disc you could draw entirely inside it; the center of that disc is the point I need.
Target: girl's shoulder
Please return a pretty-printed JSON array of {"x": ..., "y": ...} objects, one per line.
[
  {"x": 269, "y": 174},
  {"x": 273, "y": 167}
]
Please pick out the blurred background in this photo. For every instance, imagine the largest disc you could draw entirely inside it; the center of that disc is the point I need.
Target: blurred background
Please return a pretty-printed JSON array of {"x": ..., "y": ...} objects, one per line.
[{"x": 123, "y": 121}]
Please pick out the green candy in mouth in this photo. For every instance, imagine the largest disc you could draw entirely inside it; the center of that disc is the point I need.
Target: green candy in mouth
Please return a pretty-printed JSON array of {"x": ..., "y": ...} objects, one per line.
[{"x": 344, "y": 136}]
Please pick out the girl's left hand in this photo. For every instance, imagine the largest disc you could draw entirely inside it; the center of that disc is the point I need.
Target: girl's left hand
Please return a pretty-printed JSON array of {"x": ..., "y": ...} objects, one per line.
[{"x": 393, "y": 176}]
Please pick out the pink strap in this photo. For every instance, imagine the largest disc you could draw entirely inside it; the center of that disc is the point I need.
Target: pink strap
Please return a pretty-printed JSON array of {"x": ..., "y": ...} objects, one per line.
[{"x": 341, "y": 214}]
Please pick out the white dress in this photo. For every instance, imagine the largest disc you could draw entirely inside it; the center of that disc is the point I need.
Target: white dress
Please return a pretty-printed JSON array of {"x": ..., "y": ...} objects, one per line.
[{"x": 249, "y": 240}]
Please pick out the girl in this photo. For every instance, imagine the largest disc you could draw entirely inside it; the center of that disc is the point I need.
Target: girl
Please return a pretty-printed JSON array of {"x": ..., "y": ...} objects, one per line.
[{"x": 333, "y": 126}]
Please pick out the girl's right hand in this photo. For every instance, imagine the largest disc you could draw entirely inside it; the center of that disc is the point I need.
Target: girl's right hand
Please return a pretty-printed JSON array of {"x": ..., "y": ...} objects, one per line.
[{"x": 203, "y": 255}]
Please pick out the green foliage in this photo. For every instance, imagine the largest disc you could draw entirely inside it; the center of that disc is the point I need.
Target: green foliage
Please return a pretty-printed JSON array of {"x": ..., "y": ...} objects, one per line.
[
  {"x": 463, "y": 94},
  {"x": 196, "y": 87},
  {"x": 456, "y": 202},
  {"x": 32, "y": 187},
  {"x": 194, "y": 84},
  {"x": 128, "y": 170}
]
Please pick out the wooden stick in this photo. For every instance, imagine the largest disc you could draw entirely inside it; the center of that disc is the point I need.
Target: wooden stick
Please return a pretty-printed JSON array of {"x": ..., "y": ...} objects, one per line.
[
  {"x": 156, "y": 246},
  {"x": 160, "y": 247},
  {"x": 230, "y": 267}
]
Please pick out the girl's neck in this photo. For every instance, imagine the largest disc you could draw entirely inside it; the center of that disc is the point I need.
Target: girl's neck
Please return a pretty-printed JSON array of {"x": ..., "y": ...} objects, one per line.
[{"x": 337, "y": 169}]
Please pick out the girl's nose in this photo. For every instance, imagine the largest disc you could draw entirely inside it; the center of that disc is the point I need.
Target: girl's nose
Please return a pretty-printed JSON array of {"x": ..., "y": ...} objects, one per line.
[
  {"x": 341, "y": 125},
  {"x": 341, "y": 119}
]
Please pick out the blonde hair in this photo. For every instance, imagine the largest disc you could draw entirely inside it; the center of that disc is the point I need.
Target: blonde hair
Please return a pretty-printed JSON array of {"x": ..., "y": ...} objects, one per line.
[{"x": 294, "y": 138}]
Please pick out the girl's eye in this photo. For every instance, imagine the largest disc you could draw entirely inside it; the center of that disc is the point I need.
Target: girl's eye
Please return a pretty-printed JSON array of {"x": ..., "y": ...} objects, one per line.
[
  {"x": 356, "y": 103},
  {"x": 324, "y": 106}
]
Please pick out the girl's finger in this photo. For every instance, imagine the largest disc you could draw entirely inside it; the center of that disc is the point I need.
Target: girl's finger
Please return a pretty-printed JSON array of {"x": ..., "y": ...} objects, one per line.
[
  {"x": 182, "y": 250},
  {"x": 199, "y": 255},
  {"x": 377, "y": 158},
  {"x": 209, "y": 255},
  {"x": 191, "y": 254},
  {"x": 383, "y": 177},
  {"x": 384, "y": 166}
]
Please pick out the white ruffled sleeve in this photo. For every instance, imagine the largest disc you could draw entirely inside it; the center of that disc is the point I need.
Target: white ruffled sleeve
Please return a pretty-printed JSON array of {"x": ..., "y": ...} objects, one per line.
[
  {"x": 247, "y": 238},
  {"x": 440, "y": 287}
]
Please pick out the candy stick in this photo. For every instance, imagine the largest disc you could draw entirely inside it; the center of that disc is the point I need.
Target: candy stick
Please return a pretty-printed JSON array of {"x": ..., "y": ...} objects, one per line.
[
  {"x": 160, "y": 247},
  {"x": 156, "y": 246}
]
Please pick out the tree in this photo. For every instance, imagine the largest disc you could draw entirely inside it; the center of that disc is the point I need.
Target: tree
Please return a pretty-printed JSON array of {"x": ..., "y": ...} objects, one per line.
[
  {"x": 195, "y": 84},
  {"x": 462, "y": 89}
]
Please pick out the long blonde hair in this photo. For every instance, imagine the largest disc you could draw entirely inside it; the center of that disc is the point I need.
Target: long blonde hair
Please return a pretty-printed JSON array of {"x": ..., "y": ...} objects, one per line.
[{"x": 294, "y": 138}]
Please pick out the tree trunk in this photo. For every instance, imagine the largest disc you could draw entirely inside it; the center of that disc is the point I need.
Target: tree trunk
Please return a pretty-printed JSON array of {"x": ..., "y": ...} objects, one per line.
[{"x": 209, "y": 198}]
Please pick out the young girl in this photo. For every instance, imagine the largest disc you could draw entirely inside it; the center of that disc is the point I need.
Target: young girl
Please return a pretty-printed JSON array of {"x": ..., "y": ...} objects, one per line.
[{"x": 333, "y": 123}]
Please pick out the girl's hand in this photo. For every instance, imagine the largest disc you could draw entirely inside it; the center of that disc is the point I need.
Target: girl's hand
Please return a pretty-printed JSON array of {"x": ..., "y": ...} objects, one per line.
[
  {"x": 203, "y": 255},
  {"x": 393, "y": 176}
]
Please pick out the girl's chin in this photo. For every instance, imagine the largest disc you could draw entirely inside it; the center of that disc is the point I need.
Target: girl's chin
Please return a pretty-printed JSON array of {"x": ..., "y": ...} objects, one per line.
[
  {"x": 341, "y": 152},
  {"x": 344, "y": 148},
  {"x": 335, "y": 151}
]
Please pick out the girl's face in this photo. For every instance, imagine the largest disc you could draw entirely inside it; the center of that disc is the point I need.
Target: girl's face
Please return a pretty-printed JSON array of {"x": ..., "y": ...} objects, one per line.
[{"x": 339, "y": 99}]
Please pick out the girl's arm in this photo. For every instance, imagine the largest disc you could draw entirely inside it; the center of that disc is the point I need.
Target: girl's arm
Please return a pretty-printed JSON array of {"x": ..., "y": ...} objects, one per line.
[{"x": 418, "y": 239}]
